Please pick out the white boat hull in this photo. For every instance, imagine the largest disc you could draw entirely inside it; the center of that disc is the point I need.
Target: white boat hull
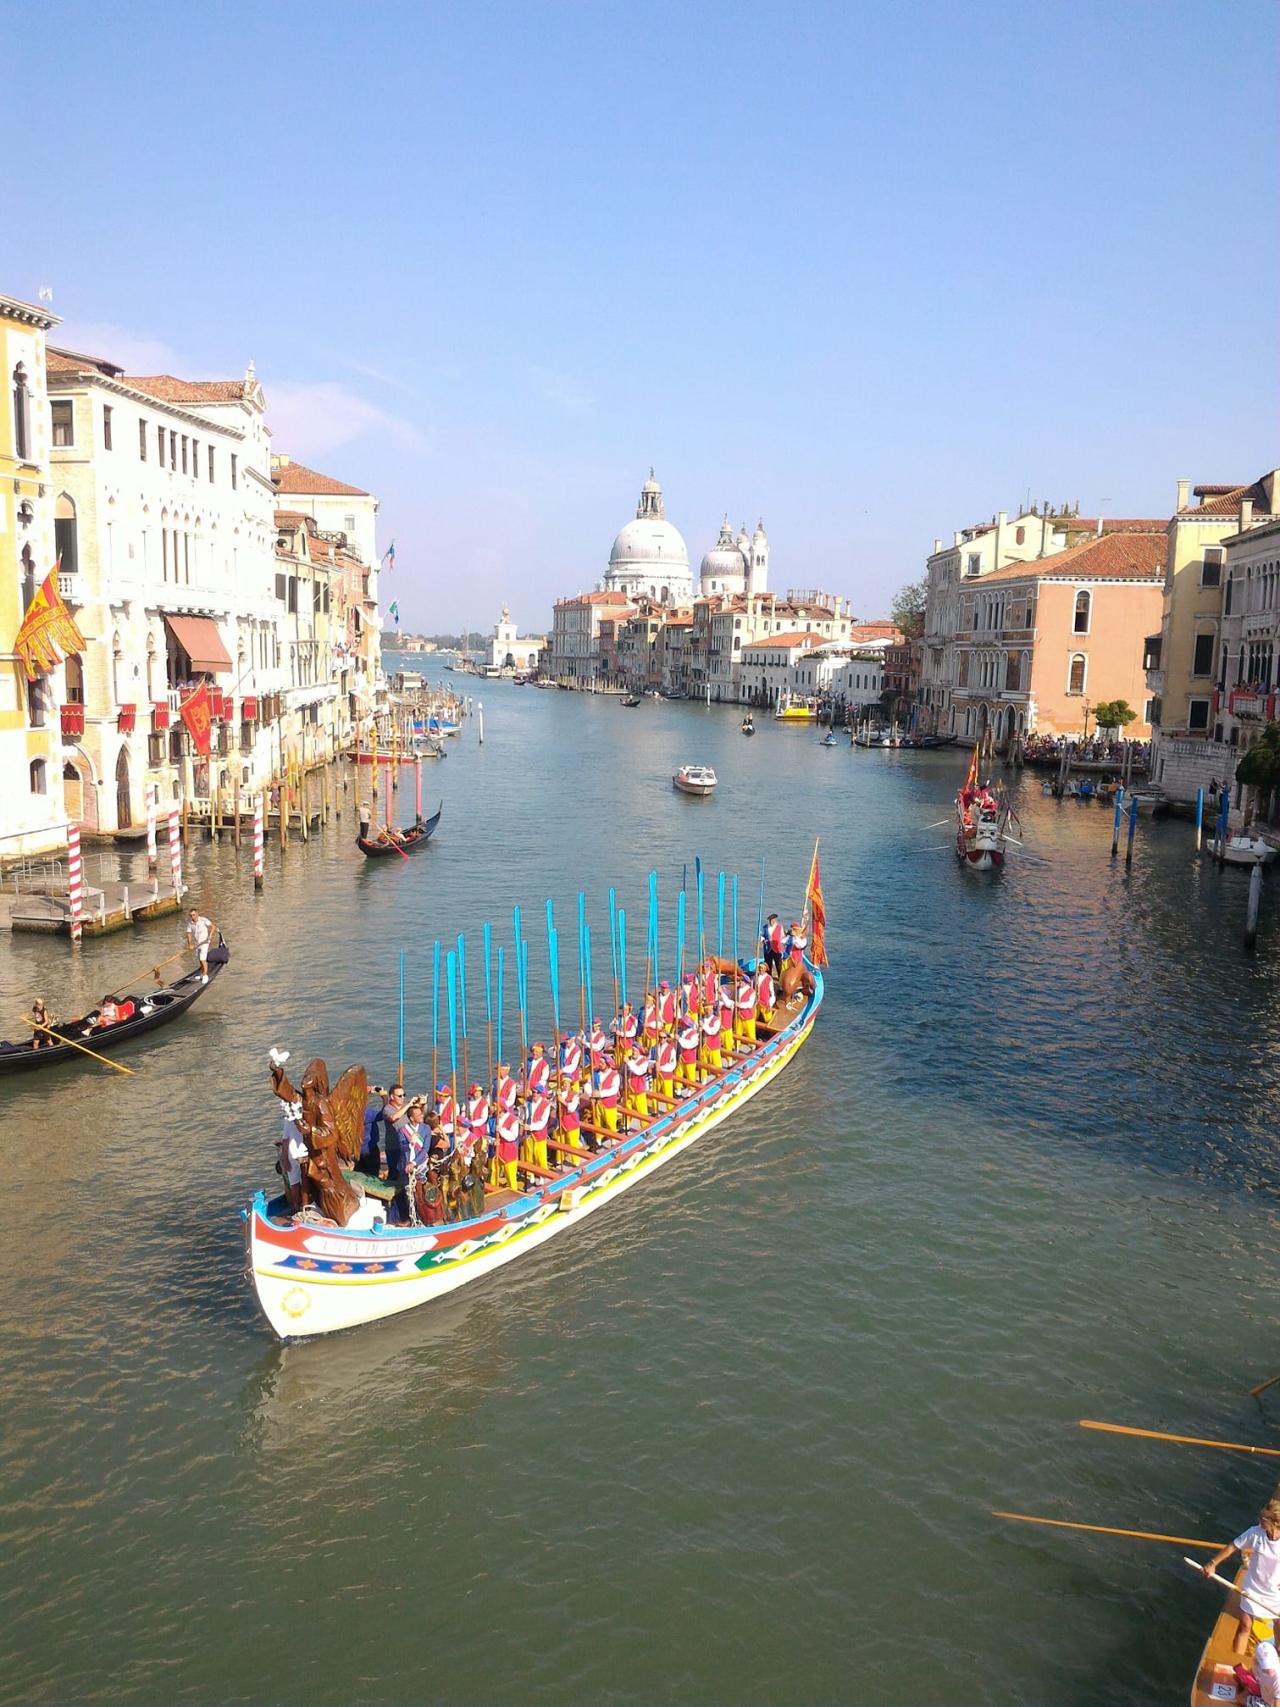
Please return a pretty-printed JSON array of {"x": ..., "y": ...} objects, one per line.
[{"x": 317, "y": 1280}]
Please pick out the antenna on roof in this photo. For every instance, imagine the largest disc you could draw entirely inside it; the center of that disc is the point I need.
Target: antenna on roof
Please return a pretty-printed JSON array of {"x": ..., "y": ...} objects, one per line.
[{"x": 45, "y": 293}]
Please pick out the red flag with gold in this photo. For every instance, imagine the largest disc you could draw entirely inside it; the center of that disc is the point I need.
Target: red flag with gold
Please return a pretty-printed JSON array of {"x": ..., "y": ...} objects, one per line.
[
  {"x": 196, "y": 712},
  {"x": 817, "y": 914},
  {"x": 47, "y": 626},
  {"x": 971, "y": 780}
]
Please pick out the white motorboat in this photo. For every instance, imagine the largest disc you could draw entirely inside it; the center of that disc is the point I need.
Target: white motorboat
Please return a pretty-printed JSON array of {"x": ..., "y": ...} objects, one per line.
[
  {"x": 1243, "y": 850},
  {"x": 695, "y": 779}
]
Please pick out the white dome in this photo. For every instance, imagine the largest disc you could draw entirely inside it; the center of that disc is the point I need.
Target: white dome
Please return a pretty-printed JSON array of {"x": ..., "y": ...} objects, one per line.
[
  {"x": 646, "y": 541},
  {"x": 724, "y": 563}
]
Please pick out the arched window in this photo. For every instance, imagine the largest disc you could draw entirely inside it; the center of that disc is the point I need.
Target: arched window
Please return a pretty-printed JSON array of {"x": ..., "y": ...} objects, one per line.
[
  {"x": 39, "y": 771},
  {"x": 21, "y": 414},
  {"x": 1080, "y": 625},
  {"x": 1076, "y": 677},
  {"x": 1020, "y": 536},
  {"x": 64, "y": 534}
]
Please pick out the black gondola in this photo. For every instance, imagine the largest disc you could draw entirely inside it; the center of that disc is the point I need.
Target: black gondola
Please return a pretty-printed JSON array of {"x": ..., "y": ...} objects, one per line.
[
  {"x": 414, "y": 837},
  {"x": 630, "y": 701},
  {"x": 148, "y": 1012}
]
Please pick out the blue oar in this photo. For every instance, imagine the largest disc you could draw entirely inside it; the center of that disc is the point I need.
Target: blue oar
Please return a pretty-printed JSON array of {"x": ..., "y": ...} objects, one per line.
[
  {"x": 735, "y": 918},
  {"x": 487, "y": 936},
  {"x": 720, "y": 916},
  {"x": 462, "y": 1005},
  {"x": 680, "y": 939},
  {"x": 435, "y": 1016},
  {"x": 622, "y": 953},
  {"x": 613, "y": 943},
  {"x": 450, "y": 975},
  {"x": 400, "y": 1045},
  {"x": 502, "y": 956}
]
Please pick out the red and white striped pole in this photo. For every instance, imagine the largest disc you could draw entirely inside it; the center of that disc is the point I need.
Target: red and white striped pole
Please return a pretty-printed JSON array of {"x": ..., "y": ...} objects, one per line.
[
  {"x": 175, "y": 853},
  {"x": 257, "y": 843},
  {"x": 75, "y": 880},
  {"x": 151, "y": 829},
  {"x": 417, "y": 789}
]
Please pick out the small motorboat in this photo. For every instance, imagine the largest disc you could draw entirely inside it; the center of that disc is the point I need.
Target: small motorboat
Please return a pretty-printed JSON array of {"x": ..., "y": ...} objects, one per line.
[
  {"x": 829, "y": 739},
  {"x": 629, "y": 700},
  {"x": 1242, "y": 850},
  {"x": 748, "y": 727},
  {"x": 695, "y": 779}
]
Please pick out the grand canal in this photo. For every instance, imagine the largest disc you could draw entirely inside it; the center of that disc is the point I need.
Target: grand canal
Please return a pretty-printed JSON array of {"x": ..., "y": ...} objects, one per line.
[{"x": 739, "y": 1438}]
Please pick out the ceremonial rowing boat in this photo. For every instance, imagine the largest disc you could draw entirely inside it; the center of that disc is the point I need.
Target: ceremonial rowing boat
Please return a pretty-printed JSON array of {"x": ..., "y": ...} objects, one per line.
[
  {"x": 146, "y": 1012},
  {"x": 314, "y": 1280}
]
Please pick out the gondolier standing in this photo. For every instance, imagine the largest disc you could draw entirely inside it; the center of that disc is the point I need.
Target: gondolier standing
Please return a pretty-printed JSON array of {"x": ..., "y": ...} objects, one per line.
[
  {"x": 199, "y": 935},
  {"x": 771, "y": 941}
]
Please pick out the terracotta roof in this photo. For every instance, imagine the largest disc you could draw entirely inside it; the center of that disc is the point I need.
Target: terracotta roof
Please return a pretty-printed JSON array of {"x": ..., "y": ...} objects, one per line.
[
  {"x": 610, "y": 598},
  {"x": 283, "y": 516},
  {"x": 799, "y": 637},
  {"x": 1225, "y": 500},
  {"x": 1110, "y": 524},
  {"x": 296, "y": 477},
  {"x": 72, "y": 361},
  {"x": 1114, "y": 557},
  {"x": 167, "y": 389}
]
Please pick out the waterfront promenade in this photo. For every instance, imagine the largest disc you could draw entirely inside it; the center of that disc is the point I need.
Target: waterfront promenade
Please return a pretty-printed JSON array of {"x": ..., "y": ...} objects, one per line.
[{"x": 739, "y": 1439}]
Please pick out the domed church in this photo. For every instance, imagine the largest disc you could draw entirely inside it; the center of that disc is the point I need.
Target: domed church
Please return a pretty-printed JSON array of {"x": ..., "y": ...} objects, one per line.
[
  {"x": 649, "y": 559},
  {"x": 736, "y": 565}
]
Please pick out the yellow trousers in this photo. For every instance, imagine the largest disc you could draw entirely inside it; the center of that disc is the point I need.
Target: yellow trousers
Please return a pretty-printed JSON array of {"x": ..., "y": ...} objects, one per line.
[
  {"x": 746, "y": 1027},
  {"x": 766, "y": 1016},
  {"x": 638, "y": 1103},
  {"x": 711, "y": 1058},
  {"x": 667, "y": 1088},
  {"x": 540, "y": 1151},
  {"x": 509, "y": 1171},
  {"x": 687, "y": 1072},
  {"x": 608, "y": 1118}
]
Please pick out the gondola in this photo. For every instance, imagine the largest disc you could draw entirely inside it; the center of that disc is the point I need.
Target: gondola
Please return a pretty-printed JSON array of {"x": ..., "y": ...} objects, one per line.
[
  {"x": 147, "y": 1012},
  {"x": 630, "y": 701},
  {"x": 414, "y": 837}
]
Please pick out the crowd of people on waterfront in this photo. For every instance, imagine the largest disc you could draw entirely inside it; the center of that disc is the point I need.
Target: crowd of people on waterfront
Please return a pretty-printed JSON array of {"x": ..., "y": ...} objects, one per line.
[
  {"x": 440, "y": 1153},
  {"x": 1045, "y": 749}
]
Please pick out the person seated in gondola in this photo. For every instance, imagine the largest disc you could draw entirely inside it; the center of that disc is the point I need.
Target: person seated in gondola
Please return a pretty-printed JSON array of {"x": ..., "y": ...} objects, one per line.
[
  {"x": 108, "y": 1014},
  {"x": 41, "y": 1021}
]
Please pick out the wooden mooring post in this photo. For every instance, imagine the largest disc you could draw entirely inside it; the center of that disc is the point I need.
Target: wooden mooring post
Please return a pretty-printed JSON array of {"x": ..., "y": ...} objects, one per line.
[
  {"x": 1255, "y": 903},
  {"x": 1115, "y": 827},
  {"x": 1133, "y": 824}
]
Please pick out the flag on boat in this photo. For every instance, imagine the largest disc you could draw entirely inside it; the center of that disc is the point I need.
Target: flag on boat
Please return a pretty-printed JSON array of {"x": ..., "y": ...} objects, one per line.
[
  {"x": 817, "y": 914},
  {"x": 196, "y": 711},
  {"x": 395, "y": 613},
  {"x": 389, "y": 556},
  {"x": 47, "y": 626},
  {"x": 971, "y": 781}
]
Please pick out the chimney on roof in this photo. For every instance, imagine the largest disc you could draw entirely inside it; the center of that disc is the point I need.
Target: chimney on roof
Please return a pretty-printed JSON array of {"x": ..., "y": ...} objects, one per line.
[
  {"x": 281, "y": 460},
  {"x": 1098, "y": 530},
  {"x": 937, "y": 546},
  {"x": 1184, "y": 488},
  {"x": 1246, "y": 513}
]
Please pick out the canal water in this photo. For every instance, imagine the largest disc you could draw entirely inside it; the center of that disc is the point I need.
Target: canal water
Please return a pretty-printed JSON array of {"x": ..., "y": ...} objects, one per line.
[{"x": 739, "y": 1438}]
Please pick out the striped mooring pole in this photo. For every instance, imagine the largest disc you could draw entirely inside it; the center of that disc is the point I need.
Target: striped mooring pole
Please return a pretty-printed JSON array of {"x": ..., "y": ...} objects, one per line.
[
  {"x": 175, "y": 853},
  {"x": 75, "y": 880},
  {"x": 258, "y": 836},
  {"x": 151, "y": 830}
]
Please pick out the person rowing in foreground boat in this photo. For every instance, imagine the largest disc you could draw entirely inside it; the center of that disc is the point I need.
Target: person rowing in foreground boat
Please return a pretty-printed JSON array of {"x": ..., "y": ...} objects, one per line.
[
  {"x": 41, "y": 1021},
  {"x": 1260, "y": 1586}
]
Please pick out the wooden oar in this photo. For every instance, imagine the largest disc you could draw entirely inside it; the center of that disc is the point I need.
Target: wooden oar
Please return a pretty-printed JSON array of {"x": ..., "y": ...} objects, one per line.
[
  {"x": 1181, "y": 1439},
  {"x": 1213, "y": 1576},
  {"x": 153, "y": 970},
  {"x": 1102, "y": 1529},
  {"x": 59, "y": 1038},
  {"x": 1262, "y": 1386}
]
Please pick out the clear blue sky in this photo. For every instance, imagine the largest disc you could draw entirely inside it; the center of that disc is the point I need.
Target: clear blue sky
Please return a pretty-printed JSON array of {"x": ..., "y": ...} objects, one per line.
[{"x": 869, "y": 271}]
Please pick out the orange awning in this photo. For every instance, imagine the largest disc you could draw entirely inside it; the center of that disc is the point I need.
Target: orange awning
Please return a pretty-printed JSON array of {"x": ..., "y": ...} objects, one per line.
[{"x": 198, "y": 638}]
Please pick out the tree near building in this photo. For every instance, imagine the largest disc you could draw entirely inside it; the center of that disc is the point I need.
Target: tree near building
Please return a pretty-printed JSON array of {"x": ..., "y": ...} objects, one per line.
[
  {"x": 1259, "y": 768},
  {"x": 908, "y": 605},
  {"x": 1114, "y": 714}
]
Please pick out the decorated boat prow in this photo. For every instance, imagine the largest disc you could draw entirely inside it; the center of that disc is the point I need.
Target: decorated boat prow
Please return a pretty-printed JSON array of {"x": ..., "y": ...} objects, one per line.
[
  {"x": 490, "y": 1178},
  {"x": 982, "y": 822}
]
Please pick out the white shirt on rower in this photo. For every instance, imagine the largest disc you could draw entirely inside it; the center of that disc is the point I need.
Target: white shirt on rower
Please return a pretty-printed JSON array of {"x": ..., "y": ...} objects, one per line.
[{"x": 1262, "y": 1575}]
